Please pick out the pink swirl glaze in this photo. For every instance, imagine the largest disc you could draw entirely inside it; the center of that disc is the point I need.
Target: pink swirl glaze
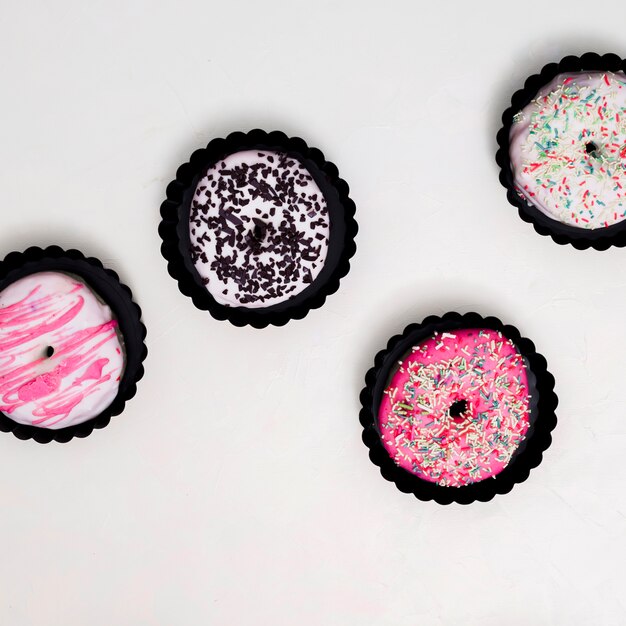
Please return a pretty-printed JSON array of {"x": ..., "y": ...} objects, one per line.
[
  {"x": 81, "y": 378},
  {"x": 457, "y": 408}
]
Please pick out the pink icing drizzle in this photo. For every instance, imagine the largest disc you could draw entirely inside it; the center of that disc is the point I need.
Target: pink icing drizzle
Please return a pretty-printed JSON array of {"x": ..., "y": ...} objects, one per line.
[
  {"x": 53, "y": 388},
  {"x": 479, "y": 368}
]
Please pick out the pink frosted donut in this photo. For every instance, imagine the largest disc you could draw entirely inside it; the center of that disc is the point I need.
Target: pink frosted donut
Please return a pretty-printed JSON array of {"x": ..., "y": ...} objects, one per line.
[
  {"x": 60, "y": 355},
  {"x": 457, "y": 408}
]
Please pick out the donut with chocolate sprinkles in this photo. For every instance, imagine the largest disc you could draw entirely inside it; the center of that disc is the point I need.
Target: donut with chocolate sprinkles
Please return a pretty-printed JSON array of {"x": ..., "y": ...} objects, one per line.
[{"x": 259, "y": 228}]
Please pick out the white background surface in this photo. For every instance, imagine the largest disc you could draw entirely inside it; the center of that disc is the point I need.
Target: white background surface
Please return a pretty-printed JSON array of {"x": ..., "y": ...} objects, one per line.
[{"x": 235, "y": 489}]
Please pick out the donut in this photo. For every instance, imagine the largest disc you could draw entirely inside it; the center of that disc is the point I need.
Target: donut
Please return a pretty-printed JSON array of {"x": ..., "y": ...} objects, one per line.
[
  {"x": 568, "y": 149},
  {"x": 259, "y": 228},
  {"x": 61, "y": 358},
  {"x": 457, "y": 408}
]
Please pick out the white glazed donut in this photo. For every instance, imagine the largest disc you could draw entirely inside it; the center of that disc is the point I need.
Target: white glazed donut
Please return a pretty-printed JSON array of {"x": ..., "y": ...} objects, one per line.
[
  {"x": 568, "y": 149},
  {"x": 60, "y": 355},
  {"x": 259, "y": 229}
]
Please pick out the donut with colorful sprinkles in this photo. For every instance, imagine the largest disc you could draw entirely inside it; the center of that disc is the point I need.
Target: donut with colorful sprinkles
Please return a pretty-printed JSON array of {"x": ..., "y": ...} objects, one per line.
[
  {"x": 568, "y": 149},
  {"x": 458, "y": 408},
  {"x": 562, "y": 151}
]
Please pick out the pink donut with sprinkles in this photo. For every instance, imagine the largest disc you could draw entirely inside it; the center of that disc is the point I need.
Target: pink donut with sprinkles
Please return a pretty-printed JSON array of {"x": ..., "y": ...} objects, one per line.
[{"x": 457, "y": 408}]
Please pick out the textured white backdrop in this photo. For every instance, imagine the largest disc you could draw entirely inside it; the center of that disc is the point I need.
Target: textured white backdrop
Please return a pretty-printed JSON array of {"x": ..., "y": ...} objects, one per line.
[{"x": 235, "y": 489}]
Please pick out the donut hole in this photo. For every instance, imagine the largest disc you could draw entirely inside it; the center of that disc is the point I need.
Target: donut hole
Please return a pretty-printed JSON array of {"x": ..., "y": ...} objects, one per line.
[
  {"x": 259, "y": 231},
  {"x": 49, "y": 351},
  {"x": 590, "y": 147},
  {"x": 457, "y": 409}
]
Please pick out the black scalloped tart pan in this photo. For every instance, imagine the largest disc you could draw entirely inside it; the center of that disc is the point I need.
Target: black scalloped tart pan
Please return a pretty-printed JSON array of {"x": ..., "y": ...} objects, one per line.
[
  {"x": 174, "y": 228},
  {"x": 528, "y": 455},
  {"x": 580, "y": 238},
  {"x": 106, "y": 284}
]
